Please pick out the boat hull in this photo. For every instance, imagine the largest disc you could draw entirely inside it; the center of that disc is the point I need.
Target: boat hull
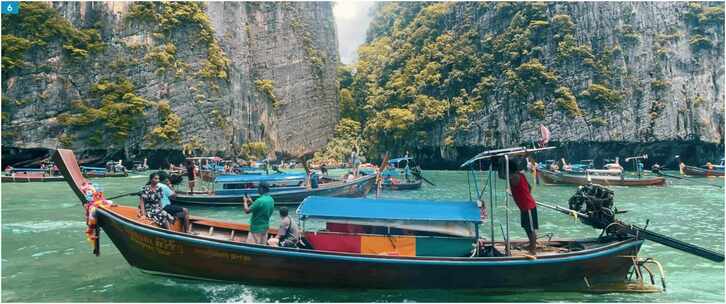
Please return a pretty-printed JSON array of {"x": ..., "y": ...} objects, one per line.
[
  {"x": 356, "y": 188},
  {"x": 99, "y": 175},
  {"x": 550, "y": 177},
  {"x": 403, "y": 186},
  {"x": 696, "y": 171},
  {"x": 171, "y": 253},
  {"x": 31, "y": 179}
]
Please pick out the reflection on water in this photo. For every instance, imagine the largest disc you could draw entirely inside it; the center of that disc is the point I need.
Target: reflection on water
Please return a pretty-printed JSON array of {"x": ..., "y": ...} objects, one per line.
[{"x": 47, "y": 259}]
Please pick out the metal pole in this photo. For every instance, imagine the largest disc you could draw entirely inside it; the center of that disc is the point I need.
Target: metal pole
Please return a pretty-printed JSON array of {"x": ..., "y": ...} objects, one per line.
[
  {"x": 506, "y": 204},
  {"x": 491, "y": 199}
]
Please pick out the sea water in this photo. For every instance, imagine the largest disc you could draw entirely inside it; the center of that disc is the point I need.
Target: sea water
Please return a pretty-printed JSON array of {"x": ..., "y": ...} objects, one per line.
[{"x": 46, "y": 258}]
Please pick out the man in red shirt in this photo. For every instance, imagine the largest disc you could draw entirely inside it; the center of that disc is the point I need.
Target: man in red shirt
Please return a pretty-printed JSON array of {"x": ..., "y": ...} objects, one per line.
[{"x": 522, "y": 193}]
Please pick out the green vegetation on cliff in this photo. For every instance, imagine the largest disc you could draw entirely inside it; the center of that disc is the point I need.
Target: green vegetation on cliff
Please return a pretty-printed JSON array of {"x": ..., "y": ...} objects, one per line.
[
  {"x": 38, "y": 26},
  {"x": 171, "y": 17},
  {"x": 112, "y": 112},
  {"x": 428, "y": 67}
]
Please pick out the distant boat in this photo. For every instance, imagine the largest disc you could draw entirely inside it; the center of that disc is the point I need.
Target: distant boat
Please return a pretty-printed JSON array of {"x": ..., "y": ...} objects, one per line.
[
  {"x": 399, "y": 175},
  {"x": 285, "y": 188},
  {"x": 101, "y": 172},
  {"x": 714, "y": 170},
  {"x": 551, "y": 177},
  {"x": 30, "y": 175}
]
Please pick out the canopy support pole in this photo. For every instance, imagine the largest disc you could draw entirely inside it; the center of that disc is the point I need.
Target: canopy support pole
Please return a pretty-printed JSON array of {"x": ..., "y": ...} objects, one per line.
[
  {"x": 492, "y": 197},
  {"x": 506, "y": 204}
]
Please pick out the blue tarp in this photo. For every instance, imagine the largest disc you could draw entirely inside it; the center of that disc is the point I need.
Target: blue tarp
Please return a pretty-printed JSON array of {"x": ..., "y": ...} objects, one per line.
[
  {"x": 388, "y": 209},
  {"x": 251, "y": 178}
]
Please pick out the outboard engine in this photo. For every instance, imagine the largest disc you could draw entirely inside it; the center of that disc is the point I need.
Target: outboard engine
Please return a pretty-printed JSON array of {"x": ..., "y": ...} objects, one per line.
[{"x": 597, "y": 202}]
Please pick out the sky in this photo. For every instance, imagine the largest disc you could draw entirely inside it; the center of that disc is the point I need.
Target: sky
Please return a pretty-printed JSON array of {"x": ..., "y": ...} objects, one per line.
[{"x": 351, "y": 19}]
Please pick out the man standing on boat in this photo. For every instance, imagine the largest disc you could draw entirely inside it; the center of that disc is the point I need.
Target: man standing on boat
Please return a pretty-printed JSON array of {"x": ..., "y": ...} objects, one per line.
[
  {"x": 261, "y": 210},
  {"x": 191, "y": 175},
  {"x": 522, "y": 194}
]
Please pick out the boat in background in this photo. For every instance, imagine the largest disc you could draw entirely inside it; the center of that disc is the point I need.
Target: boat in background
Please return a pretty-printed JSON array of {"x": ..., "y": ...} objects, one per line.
[
  {"x": 560, "y": 177},
  {"x": 30, "y": 175},
  {"x": 705, "y": 170},
  {"x": 102, "y": 172},
  {"x": 285, "y": 188},
  {"x": 401, "y": 174}
]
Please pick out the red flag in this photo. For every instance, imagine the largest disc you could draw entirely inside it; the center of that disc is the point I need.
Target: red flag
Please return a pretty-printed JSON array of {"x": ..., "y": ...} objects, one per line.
[{"x": 545, "y": 133}]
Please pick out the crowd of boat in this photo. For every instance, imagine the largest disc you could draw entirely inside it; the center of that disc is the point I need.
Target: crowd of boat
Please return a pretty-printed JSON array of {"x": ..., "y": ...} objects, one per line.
[{"x": 384, "y": 243}]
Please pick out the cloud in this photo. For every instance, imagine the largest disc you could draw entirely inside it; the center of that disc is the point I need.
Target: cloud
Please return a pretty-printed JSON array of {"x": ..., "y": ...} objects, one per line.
[{"x": 351, "y": 19}]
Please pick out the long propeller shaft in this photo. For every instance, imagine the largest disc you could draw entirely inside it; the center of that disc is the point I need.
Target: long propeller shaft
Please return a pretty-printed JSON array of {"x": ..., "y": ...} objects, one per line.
[{"x": 650, "y": 235}]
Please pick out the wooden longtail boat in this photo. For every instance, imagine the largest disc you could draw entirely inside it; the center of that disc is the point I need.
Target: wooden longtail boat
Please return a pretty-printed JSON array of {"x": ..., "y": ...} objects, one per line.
[
  {"x": 550, "y": 177},
  {"x": 282, "y": 195},
  {"x": 400, "y": 175},
  {"x": 696, "y": 171},
  {"x": 101, "y": 172},
  {"x": 214, "y": 251},
  {"x": 30, "y": 178}
]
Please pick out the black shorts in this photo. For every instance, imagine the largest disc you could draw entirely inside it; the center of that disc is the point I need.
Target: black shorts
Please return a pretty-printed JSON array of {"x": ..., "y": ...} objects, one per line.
[
  {"x": 176, "y": 211},
  {"x": 529, "y": 219}
]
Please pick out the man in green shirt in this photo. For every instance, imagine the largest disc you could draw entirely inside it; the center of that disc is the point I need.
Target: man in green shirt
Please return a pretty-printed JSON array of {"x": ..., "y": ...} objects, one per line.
[{"x": 261, "y": 210}]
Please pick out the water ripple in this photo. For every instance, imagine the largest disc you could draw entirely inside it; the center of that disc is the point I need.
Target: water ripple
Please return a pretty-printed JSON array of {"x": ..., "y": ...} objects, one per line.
[{"x": 43, "y": 226}]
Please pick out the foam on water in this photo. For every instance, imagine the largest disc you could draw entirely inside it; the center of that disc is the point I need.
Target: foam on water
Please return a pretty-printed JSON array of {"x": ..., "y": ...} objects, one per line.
[{"x": 42, "y": 226}]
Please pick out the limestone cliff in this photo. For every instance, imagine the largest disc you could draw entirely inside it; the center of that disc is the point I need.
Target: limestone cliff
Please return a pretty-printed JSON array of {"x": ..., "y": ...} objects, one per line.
[
  {"x": 175, "y": 75},
  {"x": 472, "y": 74}
]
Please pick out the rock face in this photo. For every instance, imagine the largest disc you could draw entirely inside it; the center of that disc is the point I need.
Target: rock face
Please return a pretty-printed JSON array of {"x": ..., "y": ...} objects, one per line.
[
  {"x": 485, "y": 74},
  {"x": 265, "y": 73},
  {"x": 671, "y": 90}
]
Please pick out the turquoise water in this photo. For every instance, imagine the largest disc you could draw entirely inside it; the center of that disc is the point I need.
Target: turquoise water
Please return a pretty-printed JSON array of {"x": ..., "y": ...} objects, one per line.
[{"x": 45, "y": 257}]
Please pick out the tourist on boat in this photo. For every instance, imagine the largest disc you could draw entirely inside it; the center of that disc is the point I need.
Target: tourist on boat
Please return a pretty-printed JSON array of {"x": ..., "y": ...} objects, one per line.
[
  {"x": 554, "y": 166},
  {"x": 324, "y": 169},
  {"x": 191, "y": 175},
  {"x": 681, "y": 167},
  {"x": 354, "y": 161},
  {"x": 287, "y": 234},
  {"x": 261, "y": 210},
  {"x": 167, "y": 190},
  {"x": 150, "y": 203},
  {"x": 615, "y": 166},
  {"x": 565, "y": 165},
  {"x": 521, "y": 192},
  {"x": 655, "y": 168}
]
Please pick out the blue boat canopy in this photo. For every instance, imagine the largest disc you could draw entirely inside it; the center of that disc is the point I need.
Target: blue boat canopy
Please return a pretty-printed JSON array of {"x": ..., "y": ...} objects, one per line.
[
  {"x": 93, "y": 168},
  {"x": 398, "y": 160},
  {"x": 251, "y": 178},
  {"x": 384, "y": 209}
]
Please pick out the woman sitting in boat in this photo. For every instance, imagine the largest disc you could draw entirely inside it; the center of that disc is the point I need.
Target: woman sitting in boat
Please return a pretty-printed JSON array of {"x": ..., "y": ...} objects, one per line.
[{"x": 150, "y": 203}]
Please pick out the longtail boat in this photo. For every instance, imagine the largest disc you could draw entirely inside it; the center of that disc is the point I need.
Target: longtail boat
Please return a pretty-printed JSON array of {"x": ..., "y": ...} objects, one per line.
[
  {"x": 396, "y": 244},
  {"x": 30, "y": 177},
  {"x": 287, "y": 188},
  {"x": 101, "y": 172},
  {"x": 551, "y": 177},
  {"x": 697, "y": 171},
  {"x": 399, "y": 175}
]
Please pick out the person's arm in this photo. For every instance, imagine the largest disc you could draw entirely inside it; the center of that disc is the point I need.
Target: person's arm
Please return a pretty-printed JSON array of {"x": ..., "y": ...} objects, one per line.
[
  {"x": 142, "y": 209},
  {"x": 246, "y": 203}
]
